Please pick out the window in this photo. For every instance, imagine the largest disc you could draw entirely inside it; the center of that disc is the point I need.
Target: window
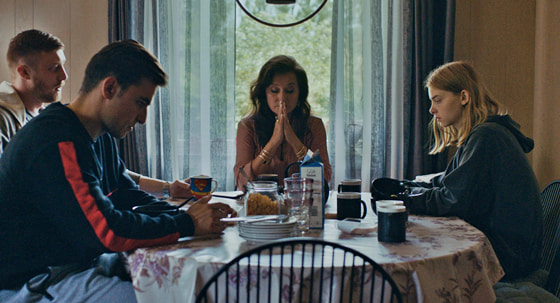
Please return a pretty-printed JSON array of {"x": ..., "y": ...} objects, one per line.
[
  {"x": 352, "y": 52},
  {"x": 309, "y": 43}
]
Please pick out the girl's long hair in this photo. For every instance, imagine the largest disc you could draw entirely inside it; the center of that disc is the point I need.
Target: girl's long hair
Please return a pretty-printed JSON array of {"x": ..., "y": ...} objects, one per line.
[{"x": 455, "y": 77}]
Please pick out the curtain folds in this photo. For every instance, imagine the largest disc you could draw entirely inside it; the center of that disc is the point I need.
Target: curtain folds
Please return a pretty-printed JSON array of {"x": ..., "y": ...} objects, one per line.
[
  {"x": 190, "y": 128},
  {"x": 367, "y": 92},
  {"x": 381, "y": 52},
  {"x": 123, "y": 24},
  {"x": 432, "y": 39}
]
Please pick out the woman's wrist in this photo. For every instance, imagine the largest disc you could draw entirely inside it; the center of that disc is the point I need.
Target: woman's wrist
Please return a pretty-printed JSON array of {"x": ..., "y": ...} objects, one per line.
[
  {"x": 300, "y": 154},
  {"x": 265, "y": 156}
]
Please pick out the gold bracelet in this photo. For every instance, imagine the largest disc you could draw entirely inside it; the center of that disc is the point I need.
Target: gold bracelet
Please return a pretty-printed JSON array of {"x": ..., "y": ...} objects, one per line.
[
  {"x": 301, "y": 153},
  {"x": 266, "y": 153},
  {"x": 265, "y": 158}
]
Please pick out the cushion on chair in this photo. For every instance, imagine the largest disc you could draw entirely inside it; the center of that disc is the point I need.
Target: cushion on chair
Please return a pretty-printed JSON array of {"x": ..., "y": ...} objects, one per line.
[
  {"x": 538, "y": 277},
  {"x": 522, "y": 292}
]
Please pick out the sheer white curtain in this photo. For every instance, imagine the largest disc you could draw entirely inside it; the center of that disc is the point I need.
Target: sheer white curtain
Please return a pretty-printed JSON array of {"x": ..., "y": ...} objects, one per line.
[
  {"x": 367, "y": 89},
  {"x": 191, "y": 129},
  {"x": 190, "y": 126}
]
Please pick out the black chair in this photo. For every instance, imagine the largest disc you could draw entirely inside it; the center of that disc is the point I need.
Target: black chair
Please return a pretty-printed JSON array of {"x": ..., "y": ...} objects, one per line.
[
  {"x": 545, "y": 282},
  {"x": 550, "y": 198},
  {"x": 553, "y": 280},
  {"x": 531, "y": 290},
  {"x": 304, "y": 270}
]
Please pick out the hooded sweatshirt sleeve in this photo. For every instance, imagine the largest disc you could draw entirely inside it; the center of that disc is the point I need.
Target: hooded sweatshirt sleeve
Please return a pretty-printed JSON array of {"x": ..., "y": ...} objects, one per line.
[
  {"x": 452, "y": 193},
  {"x": 78, "y": 200}
]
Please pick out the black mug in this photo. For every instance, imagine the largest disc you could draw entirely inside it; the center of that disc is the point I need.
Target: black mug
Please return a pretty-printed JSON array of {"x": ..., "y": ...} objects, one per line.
[
  {"x": 350, "y": 185},
  {"x": 391, "y": 223},
  {"x": 350, "y": 205}
]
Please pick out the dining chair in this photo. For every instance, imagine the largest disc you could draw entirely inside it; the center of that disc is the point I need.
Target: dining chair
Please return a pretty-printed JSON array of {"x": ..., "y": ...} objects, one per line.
[
  {"x": 545, "y": 282},
  {"x": 553, "y": 279},
  {"x": 542, "y": 289},
  {"x": 550, "y": 199},
  {"x": 300, "y": 270}
]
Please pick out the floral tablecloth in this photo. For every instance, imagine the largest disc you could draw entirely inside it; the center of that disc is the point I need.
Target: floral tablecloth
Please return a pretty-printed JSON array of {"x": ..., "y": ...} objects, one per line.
[{"x": 442, "y": 260}]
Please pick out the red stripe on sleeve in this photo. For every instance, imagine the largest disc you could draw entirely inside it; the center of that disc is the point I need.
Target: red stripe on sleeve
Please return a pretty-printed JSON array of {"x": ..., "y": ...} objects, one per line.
[{"x": 89, "y": 206}]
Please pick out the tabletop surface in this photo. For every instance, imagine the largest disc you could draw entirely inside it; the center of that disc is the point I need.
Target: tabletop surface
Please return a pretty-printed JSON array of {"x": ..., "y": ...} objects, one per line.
[{"x": 442, "y": 260}]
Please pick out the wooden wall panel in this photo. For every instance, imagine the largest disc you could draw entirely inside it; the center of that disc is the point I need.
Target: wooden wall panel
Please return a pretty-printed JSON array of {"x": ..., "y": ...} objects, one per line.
[
  {"x": 23, "y": 15},
  {"x": 85, "y": 40},
  {"x": 547, "y": 92},
  {"x": 498, "y": 37},
  {"x": 7, "y": 31},
  {"x": 463, "y": 36},
  {"x": 55, "y": 19}
]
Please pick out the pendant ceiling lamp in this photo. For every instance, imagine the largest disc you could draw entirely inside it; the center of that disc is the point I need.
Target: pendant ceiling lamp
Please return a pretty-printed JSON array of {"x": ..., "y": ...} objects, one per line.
[{"x": 281, "y": 13}]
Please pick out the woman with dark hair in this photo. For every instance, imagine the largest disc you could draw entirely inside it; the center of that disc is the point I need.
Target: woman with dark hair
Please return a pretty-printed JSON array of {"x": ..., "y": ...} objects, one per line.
[
  {"x": 280, "y": 128},
  {"x": 489, "y": 181}
]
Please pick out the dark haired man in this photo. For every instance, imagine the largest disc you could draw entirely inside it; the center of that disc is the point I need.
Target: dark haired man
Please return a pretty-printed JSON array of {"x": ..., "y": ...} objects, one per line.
[{"x": 66, "y": 198}]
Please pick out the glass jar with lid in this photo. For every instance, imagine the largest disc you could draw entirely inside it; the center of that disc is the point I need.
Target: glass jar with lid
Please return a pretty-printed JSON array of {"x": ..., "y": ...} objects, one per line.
[{"x": 262, "y": 198}]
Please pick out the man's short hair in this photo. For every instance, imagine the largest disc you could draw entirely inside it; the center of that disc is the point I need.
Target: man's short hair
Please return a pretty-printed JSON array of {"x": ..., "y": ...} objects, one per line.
[
  {"x": 128, "y": 61},
  {"x": 29, "y": 43}
]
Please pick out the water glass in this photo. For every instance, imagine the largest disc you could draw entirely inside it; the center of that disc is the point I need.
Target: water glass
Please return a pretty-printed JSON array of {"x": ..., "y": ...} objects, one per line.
[{"x": 298, "y": 192}]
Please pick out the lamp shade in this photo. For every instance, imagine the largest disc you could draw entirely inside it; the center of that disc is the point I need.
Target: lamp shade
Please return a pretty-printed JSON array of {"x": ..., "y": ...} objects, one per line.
[
  {"x": 281, "y": 15},
  {"x": 280, "y": 1}
]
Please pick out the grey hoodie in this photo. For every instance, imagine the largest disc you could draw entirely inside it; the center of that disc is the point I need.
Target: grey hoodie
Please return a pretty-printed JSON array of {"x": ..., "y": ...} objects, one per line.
[
  {"x": 490, "y": 184},
  {"x": 12, "y": 114}
]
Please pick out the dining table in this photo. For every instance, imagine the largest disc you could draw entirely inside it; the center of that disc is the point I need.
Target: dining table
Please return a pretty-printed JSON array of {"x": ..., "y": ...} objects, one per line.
[{"x": 443, "y": 259}]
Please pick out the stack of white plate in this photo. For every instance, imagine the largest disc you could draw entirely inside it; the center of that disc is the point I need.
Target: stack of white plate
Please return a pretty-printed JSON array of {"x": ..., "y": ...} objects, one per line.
[{"x": 267, "y": 230}]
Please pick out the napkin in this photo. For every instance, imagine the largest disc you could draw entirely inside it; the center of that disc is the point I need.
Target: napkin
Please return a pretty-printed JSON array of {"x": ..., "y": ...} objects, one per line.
[{"x": 356, "y": 227}]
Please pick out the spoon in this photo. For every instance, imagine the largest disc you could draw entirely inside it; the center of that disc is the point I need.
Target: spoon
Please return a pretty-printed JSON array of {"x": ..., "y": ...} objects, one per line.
[
  {"x": 245, "y": 175},
  {"x": 235, "y": 195},
  {"x": 251, "y": 219},
  {"x": 186, "y": 201}
]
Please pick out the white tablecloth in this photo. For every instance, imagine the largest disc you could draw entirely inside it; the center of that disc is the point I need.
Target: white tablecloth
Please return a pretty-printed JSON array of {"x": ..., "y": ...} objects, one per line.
[{"x": 442, "y": 260}]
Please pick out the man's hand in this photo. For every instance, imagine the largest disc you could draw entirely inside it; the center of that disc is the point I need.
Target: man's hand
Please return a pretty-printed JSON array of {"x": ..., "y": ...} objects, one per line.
[{"x": 206, "y": 216}]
